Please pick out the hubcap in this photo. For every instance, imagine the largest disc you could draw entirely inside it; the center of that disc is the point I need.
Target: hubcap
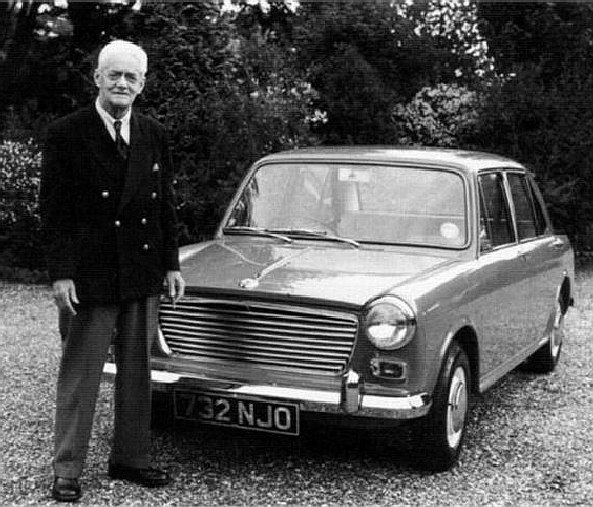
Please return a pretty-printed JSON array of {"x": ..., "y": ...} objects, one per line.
[{"x": 457, "y": 409}]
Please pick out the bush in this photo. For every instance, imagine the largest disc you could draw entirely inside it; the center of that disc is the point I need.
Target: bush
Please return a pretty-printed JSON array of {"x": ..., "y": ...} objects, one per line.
[
  {"x": 549, "y": 130},
  {"x": 226, "y": 99},
  {"x": 440, "y": 116},
  {"x": 20, "y": 224}
]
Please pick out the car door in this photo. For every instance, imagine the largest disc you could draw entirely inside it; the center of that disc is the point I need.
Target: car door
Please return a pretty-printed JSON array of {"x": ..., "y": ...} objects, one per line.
[
  {"x": 500, "y": 292},
  {"x": 538, "y": 254}
]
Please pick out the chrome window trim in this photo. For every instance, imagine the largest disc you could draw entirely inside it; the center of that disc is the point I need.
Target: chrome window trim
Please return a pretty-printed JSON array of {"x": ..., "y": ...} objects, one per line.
[
  {"x": 465, "y": 179},
  {"x": 510, "y": 208}
]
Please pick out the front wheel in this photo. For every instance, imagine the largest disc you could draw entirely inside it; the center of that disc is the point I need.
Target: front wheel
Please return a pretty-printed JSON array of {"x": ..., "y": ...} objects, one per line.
[{"x": 439, "y": 436}]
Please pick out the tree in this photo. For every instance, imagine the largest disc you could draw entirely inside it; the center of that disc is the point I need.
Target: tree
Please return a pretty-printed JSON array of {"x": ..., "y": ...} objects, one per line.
[
  {"x": 364, "y": 57},
  {"x": 226, "y": 99},
  {"x": 46, "y": 57},
  {"x": 445, "y": 115},
  {"x": 541, "y": 109}
]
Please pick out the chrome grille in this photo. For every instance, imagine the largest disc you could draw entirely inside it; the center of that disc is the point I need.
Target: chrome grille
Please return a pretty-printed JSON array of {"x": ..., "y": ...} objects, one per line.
[{"x": 267, "y": 335}]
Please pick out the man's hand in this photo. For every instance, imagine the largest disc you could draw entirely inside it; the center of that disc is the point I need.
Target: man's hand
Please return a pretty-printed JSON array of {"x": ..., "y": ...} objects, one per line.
[
  {"x": 65, "y": 295},
  {"x": 175, "y": 285}
]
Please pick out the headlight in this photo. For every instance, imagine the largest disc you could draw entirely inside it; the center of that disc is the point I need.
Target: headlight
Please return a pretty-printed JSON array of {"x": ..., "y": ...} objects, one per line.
[{"x": 390, "y": 323}]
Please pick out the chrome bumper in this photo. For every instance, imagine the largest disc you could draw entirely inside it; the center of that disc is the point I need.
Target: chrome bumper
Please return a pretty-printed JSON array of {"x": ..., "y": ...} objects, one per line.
[{"x": 350, "y": 401}]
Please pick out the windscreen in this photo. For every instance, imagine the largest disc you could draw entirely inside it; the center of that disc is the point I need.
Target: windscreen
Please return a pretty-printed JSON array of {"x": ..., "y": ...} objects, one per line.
[{"x": 367, "y": 203}]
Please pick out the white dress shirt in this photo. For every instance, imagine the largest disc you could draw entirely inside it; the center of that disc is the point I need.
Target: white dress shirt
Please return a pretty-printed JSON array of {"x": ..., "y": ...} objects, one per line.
[{"x": 109, "y": 120}]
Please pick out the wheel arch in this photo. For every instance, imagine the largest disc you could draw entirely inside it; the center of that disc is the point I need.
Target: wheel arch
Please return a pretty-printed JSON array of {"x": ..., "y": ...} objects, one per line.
[{"x": 467, "y": 339}]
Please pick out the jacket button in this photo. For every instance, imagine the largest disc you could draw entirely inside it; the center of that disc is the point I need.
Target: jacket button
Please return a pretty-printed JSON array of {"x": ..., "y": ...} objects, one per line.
[
  {"x": 117, "y": 223},
  {"x": 143, "y": 221},
  {"x": 145, "y": 246},
  {"x": 105, "y": 194},
  {"x": 153, "y": 195}
]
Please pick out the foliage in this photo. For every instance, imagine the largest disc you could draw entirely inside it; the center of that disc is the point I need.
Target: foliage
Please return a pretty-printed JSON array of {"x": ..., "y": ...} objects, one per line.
[
  {"x": 20, "y": 165},
  {"x": 348, "y": 53},
  {"x": 549, "y": 131},
  {"x": 439, "y": 116},
  {"x": 454, "y": 24},
  {"x": 541, "y": 111},
  {"x": 364, "y": 57},
  {"x": 227, "y": 99},
  {"x": 512, "y": 78},
  {"x": 554, "y": 38},
  {"x": 46, "y": 58}
]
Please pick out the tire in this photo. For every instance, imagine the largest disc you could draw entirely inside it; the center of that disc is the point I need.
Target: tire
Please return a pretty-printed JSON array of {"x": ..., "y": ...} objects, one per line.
[
  {"x": 439, "y": 437},
  {"x": 545, "y": 359}
]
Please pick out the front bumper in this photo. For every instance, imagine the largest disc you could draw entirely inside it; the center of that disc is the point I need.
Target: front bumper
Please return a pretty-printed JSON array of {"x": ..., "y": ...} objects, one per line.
[{"x": 349, "y": 401}]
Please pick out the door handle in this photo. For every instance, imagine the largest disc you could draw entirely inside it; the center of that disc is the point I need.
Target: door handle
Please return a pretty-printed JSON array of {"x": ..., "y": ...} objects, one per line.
[{"x": 557, "y": 244}]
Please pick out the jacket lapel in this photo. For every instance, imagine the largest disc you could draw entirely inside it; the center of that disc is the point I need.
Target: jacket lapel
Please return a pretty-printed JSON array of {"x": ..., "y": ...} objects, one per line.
[
  {"x": 139, "y": 160},
  {"x": 98, "y": 140}
]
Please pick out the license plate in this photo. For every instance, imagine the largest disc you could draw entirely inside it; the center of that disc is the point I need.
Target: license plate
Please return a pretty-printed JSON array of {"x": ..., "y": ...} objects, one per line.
[{"x": 243, "y": 412}]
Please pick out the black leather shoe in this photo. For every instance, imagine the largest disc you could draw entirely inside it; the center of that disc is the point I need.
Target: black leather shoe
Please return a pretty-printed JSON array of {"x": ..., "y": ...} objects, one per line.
[
  {"x": 150, "y": 477},
  {"x": 65, "y": 489}
]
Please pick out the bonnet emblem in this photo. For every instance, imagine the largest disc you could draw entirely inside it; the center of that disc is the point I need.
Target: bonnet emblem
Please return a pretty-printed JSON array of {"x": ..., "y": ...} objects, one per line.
[{"x": 248, "y": 283}]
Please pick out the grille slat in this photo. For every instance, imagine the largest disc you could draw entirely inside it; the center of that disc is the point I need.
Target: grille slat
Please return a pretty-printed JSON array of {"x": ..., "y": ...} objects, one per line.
[
  {"x": 300, "y": 319},
  {"x": 238, "y": 344},
  {"x": 260, "y": 362},
  {"x": 222, "y": 336},
  {"x": 254, "y": 352},
  {"x": 257, "y": 327},
  {"x": 267, "y": 335}
]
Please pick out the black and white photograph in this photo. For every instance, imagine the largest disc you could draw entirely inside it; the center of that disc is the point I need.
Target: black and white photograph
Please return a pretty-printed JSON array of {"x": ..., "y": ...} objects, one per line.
[{"x": 296, "y": 252}]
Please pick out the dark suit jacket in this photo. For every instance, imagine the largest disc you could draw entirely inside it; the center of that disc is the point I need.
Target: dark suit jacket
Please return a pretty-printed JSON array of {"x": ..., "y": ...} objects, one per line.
[{"x": 110, "y": 225}]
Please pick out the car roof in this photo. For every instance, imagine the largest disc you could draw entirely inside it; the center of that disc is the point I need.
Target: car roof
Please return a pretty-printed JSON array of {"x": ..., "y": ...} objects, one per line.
[{"x": 470, "y": 161}]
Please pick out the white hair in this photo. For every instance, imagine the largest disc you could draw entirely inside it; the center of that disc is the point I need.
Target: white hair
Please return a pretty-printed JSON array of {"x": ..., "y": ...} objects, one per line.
[{"x": 118, "y": 47}]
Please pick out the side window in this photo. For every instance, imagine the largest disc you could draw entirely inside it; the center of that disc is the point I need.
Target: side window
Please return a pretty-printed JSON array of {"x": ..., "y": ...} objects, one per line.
[
  {"x": 495, "y": 223},
  {"x": 540, "y": 216},
  {"x": 524, "y": 212}
]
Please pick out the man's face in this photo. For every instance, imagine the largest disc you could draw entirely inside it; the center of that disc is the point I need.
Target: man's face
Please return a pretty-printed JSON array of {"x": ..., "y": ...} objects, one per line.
[{"x": 120, "y": 81}]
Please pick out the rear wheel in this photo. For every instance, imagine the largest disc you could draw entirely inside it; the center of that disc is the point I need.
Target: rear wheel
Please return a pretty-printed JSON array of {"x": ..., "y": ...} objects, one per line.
[
  {"x": 545, "y": 359},
  {"x": 439, "y": 436}
]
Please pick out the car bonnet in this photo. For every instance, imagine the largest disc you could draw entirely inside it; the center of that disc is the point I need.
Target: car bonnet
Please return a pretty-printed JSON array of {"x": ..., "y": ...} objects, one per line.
[{"x": 335, "y": 272}]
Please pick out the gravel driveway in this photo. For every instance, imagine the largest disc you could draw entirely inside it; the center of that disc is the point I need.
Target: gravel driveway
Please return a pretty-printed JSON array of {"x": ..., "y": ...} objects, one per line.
[{"x": 530, "y": 441}]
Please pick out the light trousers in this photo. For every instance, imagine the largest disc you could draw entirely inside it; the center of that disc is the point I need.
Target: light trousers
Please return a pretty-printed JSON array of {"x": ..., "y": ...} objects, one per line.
[{"x": 88, "y": 335}]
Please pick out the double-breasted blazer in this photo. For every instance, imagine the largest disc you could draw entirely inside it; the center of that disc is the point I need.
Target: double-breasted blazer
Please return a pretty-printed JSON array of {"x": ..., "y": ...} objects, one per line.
[{"x": 110, "y": 223}]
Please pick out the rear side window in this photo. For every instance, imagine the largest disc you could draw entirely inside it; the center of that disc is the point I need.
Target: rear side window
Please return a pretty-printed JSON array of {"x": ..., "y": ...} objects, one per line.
[
  {"x": 495, "y": 222},
  {"x": 524, "y": 210}
]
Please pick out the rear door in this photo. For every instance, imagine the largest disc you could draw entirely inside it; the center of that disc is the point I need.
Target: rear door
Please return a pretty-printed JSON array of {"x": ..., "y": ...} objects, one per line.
[{"x": 538, "y": 252}]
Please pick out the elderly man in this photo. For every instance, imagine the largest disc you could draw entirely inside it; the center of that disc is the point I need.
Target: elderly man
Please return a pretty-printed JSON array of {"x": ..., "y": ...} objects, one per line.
[{"x": 108, "y": 211}]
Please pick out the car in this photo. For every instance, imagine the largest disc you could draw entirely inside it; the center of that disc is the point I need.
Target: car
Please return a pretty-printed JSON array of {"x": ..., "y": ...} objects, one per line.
[{"x": 370, "y": 283}]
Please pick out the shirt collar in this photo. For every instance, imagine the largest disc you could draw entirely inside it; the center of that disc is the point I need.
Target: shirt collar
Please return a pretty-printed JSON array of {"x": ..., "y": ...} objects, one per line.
[{"x": 109, "y": 120}]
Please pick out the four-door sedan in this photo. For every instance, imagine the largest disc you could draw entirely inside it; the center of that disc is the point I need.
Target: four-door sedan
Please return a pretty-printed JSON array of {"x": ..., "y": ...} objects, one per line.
[{"x": 371, "y": 282}]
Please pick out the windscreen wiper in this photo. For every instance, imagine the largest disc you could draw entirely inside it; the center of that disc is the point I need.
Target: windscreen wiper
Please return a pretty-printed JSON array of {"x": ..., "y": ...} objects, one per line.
[
  {"x": 244, "y": 229},
  {"x": 316, "y": 234}
]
